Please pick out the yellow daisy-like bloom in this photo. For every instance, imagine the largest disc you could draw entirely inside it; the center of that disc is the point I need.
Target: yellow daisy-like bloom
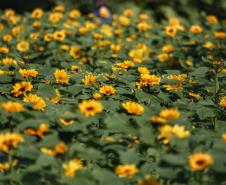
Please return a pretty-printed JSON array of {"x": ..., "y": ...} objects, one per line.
[
  {"x": 200, "y": 161},
  {"x": 165, "y": 133},
  {"x": 107, "y": 90},
  {"x": 23, "y": 46},
  {"x": 180, "y": 132},
  {"x": 48, "y": 37},
  {"x": 12, "y": 106},
  {"x": 143, "y": 26},
  {"x": 167, "y": 48},
  {"x": 37, "y": 13},
  {"x": 104, "y": 12},
  {"x": 97, "y": 96},
  {"x": 26, "y": 73},
  {"x": 137, "y": 55},
  {"x": 194, "y": 95},
  {"x": 59, "y": 35},
  {"x": 60, "y": 148},
  {"x": 196, "y": 29},
  {"x": 123, "y": 65},
  {"x": 163, "y": 57},
  {"x": 133, "y": 108},
  {"x": 9, "y": 140},
  {"x": 126, "y": 170},
  {"x": 149, "y": 181},
  {"x": 143, "y": 70},
  {"x": 72, "y": 167},
  {"x": 66, "y": 122},
  {"x": 38, "y": 102},
  {"x": 56, "y": 99},
  {"x": 124, "y": 21},
  {"x": 170, "y": 31},
  {"x": 222, "y": 102},
  {"x": 220, "y": 35},
  {"x": 8, "y": 61},
  {"x": 75, "y": 52},
  {"x": 75, "y": 14},
  {"x": 90, "y": 107},
  {"x": 40, "y": 132},
  {"x": 169, "y": 113},
  {"x": 224, "y": 137},
  {"x": 75, "y": 69},
  {"x": 4, "y": 50},
  {"x": 148, "y": 80},
  {"x": 158, "y": 120},
  {"x": 61, "y": 76},
  {"x": 21, "y": 88},
  {"x": 212, "y": 19},
  {"x": 6, "y": 166},
  {"x": 89, "y": 79},
  {"x": 7, "y": 38}
]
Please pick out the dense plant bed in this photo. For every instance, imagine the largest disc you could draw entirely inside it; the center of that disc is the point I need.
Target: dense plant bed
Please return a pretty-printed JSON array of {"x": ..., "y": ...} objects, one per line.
[{"x": 111, "y": 101}]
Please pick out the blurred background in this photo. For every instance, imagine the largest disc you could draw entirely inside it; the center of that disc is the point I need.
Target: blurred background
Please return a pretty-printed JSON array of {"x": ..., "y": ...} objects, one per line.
[{"x": 188, "y": 9}]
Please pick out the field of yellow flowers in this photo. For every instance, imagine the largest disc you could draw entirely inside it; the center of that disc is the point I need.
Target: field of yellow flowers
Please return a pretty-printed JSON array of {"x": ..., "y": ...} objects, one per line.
[{"x": 87, "y": 100}]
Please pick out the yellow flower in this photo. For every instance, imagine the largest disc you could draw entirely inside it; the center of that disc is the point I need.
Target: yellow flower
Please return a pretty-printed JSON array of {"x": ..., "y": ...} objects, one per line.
[
  {"x": 56, "y": 99},
  {"x": 136, "y": 55},
  {"x": 200, "y": 161},
  {"x": 26, "y": 73},
  {"x": 60, "y": 148},
  {"x": 72, "y": 167},
  {"x": 124, "y": 21},
  {"x": 9, "y": 140},
  {"x": 40, "y": 132},
  {"x": 8, "y": 61},
  {"x": 37, "y": 13},
  {"x": 123, "y": 65},
  {"x": 195, "y": 29},
  {"x": 176, "y": 87},
  {"x": 194, "y": 95},
  {"x": 107, "y": 90},
  {"x": 75, "y": 69},
  {"x": 90, "y": 107},
  {"x": 222, "y": 102},
  {"x": 61, "y": 76},
  {"x": 7, "y": 38},
  {"x": 163, "y": 57},
  {"x": 126, "y": 170},
  {"x": 21, "y": 88},
  {"x": 75, "y": 14},
  {"x": 209, "y": 45},
  {"x": 12, "y": 106},
  {"x": 23, "y": 46},
  {"x": 104, "y": 12},
  {"x": 170, "y": 31},
  {"x": 75, "y": 52},
  {"x": 212, "y": 19},
  {"x": 224, "y": 137},
  {"x": 48, "y": 37},
  {"x": 4, "y": 50},
  {"x": 165, "y": 133},
  {"x": 66, "y": 122},
  {"x": 169, "y": 113},
  {"x": 133, "y": 108},
  {"x": 143, "y": 26},
  {"x": 220, "y": 35},
  {"x": 148, "y": 80},
  {"x": 167, "y": 48},
  {"x": 89, "y": 79},
  {"x": 97, "y": 96},
  {"x": 180, "y": 132},
  {"x": 143, "y": 70},
  {"x": 55, "y": 17},
  {"x": 59, "y": 35},
  {"x": 157, "y": 119},
  {"x": 38, "y": 102},
  {"x": 6, "y": 166}
]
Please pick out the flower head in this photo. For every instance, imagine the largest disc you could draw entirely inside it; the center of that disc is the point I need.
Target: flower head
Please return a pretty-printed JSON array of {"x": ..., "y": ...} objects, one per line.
[{"x": 90, "y": 107}]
